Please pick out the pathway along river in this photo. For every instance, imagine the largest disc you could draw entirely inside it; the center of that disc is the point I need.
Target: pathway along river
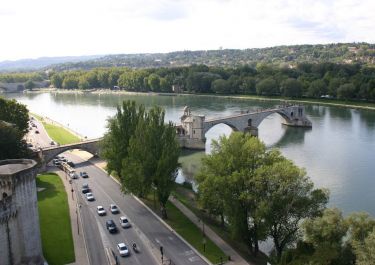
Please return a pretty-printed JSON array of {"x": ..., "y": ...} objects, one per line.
[{"x": 338, "y": 152}]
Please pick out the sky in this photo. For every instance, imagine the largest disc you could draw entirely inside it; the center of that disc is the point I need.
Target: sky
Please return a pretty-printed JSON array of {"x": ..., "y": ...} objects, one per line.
[{"x": 38, "y": 28}]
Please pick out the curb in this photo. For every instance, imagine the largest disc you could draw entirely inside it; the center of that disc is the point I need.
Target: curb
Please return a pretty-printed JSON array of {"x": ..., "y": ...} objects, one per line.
[{"x": 162, "y": 221}]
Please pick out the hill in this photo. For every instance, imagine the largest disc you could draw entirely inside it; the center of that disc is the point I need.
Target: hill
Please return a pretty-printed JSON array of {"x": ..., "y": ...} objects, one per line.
[{"x": 337, "y": 53}]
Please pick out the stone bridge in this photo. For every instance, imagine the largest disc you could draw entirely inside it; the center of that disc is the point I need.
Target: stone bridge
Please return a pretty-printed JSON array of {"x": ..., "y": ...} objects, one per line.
[
  {"x": 45, "y": 155},
  {"x": 191, "y": 133}
]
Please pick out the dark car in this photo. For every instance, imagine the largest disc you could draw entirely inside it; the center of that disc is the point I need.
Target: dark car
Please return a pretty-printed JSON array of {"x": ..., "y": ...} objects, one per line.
[
  {"x": 83, "y": 174},
  {"x": 37, "y": 132},
  {"x": 111, "y": 226},
  {"x": 85, "y": 188},
  {"x": 70, "y": 163}
]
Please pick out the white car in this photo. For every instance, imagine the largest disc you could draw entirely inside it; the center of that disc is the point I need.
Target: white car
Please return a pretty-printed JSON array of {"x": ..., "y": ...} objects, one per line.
[
  {"x": 101, "y": 211},
  {"x": 113, "y": 208},
  {"x": 123, "y": 249},
  {"x": 90, "y": 196},
  {"x": 124, "y": 222}
]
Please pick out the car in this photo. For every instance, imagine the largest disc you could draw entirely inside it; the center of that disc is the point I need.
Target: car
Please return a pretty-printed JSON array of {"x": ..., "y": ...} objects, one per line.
[
  {"x": 113, "y": 208},
  {"x": 90, "y": 197},
  {"x": 70, "y": 163},
  {"x": 37, "y": 132},
  {"x": 85, "y": 188},
  {"x": 73, "y": 175},
  {"x": 52, "y": 143},
  {"x": 30, "y": 145},
  {"x": 123, "y": 250},
  {"x": 83, "y": 174},
  {"x": 111, "y": 226},
  {"x": 33, "y": 125},
  {"x": 56, "y": 162},
  {"x": 101, "y": 211},
  {"x": 124, "y": 222}
]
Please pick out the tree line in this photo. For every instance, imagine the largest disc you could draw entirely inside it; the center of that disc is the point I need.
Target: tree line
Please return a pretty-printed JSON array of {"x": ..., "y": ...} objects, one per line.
[
  {"x": 314, "y": 80},
  {"x": 259, "y": 194}
]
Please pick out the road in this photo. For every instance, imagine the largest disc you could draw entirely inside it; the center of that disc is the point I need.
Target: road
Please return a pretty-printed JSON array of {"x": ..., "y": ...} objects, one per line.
[
  {"x": 147, "y": 231},
  {"x": 107, "y": 190},
  {"x": 38, "y": 140}
]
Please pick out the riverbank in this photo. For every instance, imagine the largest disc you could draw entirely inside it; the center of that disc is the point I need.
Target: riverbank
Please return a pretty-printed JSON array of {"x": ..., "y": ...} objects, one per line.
[{"x": 327, "y": 102}]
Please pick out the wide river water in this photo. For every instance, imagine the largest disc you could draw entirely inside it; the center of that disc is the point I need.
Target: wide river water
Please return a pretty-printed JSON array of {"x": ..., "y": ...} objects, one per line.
[{"x": 338, "y": 153}]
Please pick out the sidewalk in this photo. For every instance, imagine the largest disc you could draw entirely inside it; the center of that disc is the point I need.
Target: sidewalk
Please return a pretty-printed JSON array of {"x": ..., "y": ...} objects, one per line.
[
  {"x": 236, "y": 259},
  {"x": 78, "y": 239}
]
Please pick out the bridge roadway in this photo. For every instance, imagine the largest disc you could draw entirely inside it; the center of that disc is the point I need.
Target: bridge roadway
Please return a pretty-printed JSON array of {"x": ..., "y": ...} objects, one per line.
[{"x": 146, "y": 227}]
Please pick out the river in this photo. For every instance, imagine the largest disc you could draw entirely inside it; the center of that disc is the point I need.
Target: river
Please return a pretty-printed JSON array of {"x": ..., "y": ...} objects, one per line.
[{"x": 338, "y": 153}]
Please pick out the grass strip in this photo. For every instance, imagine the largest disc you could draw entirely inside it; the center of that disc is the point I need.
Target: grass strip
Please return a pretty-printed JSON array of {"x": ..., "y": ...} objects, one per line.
[
  {"x": 54, "y": 219},
  {"x": 189, "y": 231},
  {"x": 57, "y": 133}
]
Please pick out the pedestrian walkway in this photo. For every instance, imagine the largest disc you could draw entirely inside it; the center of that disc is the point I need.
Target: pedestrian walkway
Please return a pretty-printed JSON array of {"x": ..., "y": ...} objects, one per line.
[
  {"x": 78, "y": 238},
  {"x": 236, "y": 259}
]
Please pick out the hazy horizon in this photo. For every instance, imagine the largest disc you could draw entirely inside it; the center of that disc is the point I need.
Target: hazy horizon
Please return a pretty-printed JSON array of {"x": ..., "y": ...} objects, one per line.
[{"x": 92, "y": 27}]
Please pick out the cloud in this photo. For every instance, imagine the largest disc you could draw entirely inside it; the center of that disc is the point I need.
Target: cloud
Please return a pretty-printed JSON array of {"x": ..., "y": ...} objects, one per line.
[{"x": 39, "y": 28}]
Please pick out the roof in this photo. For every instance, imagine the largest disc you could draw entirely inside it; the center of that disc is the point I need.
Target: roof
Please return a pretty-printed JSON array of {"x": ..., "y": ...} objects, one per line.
[{"x": 14, "y": 166}]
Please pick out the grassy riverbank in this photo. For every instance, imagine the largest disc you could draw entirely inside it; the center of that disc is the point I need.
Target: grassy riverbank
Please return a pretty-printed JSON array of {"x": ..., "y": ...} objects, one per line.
[
  {"x": 57, "y": 133},
  {"x": 55, "y": 227},
  {"x": 187, "y": 197}
]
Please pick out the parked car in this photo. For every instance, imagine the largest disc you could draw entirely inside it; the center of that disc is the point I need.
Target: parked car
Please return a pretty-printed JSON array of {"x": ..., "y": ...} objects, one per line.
[
  {"x": 52, "y": 143},
  {"x": 37, "y": 132},
  {"x": 56, "y": 162},
  {"x": 83, "y": 174},
  {"x": 113, "y": 208},
  {"x": 85, "y": 188},
  {"x": 101, "y": 211},
  {"x": 90, "y": 197},
  {"x": 30, "y": 145},
  {"x": 111, "y": 226},
  {"x": 124, "y": 222},
  {"x": 123, "y": 250}
]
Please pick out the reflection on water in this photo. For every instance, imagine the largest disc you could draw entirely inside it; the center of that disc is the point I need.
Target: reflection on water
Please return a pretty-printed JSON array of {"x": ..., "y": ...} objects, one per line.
[{"x": 337, "y": 153}]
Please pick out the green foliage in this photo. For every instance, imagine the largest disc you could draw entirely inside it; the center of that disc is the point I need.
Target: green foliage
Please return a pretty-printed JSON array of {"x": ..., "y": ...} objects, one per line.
[
  {"x": 291, "y": 88},
  {"x": 261, "y": 193},
  {"x": 12, "y": 144},
  {"x": 267, "y": 87},
  {"x": 29, "y": 85},
  {"x": 13, "y": 112},
  {"x": 366, "y": 252},
  {"x": 143, "y": 150},
  {"x": 317, "y": 88},
  {"x": 346, "y": 91}
]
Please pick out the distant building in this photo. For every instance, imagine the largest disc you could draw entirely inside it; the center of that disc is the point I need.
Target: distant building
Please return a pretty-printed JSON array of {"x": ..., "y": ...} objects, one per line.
[
  {"x": 20, "y": 241},
  {"x": 177, "y": 89}
]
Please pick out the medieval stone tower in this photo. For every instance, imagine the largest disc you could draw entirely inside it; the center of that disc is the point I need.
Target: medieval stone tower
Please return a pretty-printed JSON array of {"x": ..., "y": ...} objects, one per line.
[{"x": 19, "y": 220}]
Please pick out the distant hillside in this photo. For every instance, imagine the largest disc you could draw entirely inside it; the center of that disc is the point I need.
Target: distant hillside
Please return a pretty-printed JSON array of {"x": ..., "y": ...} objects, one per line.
[
  {"x": 338, "y": 53},
  {"x": 35, "y": 64}
]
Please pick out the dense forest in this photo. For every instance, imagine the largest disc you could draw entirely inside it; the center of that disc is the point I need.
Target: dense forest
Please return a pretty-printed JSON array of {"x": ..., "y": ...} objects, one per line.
[
  {"x": 342, "y": 81},
  {"x": 338, "y": 53}
]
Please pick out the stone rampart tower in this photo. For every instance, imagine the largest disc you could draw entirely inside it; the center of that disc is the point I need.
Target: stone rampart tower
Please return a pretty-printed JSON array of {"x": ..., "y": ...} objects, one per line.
[{"x": 20, "y": 241}]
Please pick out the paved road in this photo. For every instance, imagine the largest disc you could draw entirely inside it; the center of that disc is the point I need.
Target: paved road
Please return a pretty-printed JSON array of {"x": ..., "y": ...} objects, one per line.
[
  {"x": 38, "y": 140},
  {"x": 147, "y": 231},
  {"x": 174, "y": 248}
]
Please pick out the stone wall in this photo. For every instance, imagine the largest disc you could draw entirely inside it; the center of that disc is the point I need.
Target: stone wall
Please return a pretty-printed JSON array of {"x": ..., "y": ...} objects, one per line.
[{"x": 20, "y": 241}]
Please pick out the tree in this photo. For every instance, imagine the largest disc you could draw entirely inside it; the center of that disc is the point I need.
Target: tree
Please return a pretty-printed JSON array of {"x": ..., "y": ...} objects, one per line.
[
  {"x": 56, "y": 80},
  {"x": 228, "y": 173},
  {"x": 13, "y": 112},
  {"x": 288, "y": 197},
  {"x": 154, "y": 82},
  {"x": 326, "y": 234},
  {"x": 120, "y": 129},
  {"x": 346, "y": 91},
  {"x": 29, "y": 85},
  {"x": 220, "y": 86},
  {"x": 365, "y": 252},
  {"x": 70, "y": 82},
  {"x": 83, "y": 83},
  {"x": 12, "y": 144},
  {"x": 317, "y": 88},
  {"x": 267, "y": 87},
  {"x": 291, "y": 88},
  {"x": 152, "y": 157}
]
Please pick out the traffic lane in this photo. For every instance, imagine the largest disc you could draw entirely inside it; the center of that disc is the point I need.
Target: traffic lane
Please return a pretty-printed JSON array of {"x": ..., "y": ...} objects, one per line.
[
  {"x": 128, "y": 235},
  {"x": 174, "y": 247},
  {"x": 41, "y": 139},
  {"x": 94, "y": 245}
]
